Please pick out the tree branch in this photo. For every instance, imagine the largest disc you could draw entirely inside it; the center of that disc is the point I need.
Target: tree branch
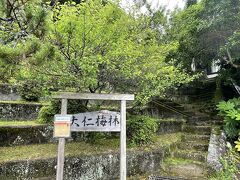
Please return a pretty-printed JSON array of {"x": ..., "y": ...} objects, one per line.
[
  {"x": 14, "y": 13},
  {"x": 68, "y": 45},
  {"x": 6, "y": 19},
  {"x": 84, "y": 36},
  {"x": 230, "y": 60}
]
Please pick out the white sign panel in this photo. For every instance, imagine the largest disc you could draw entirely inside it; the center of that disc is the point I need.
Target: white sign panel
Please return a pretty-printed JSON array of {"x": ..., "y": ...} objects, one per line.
[
  {"x": 96, "y": 121},
  {"x": 62, "y": 118}
]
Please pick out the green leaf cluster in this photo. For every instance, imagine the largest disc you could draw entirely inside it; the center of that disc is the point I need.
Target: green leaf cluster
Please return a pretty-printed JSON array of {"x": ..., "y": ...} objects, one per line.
[
  {"x": 98, "y": 47},
  {"x": 229, "y": 170},
  {"x": 237, "y": 146},
  {"x": 141, "y": 129},
  {"x": 207, "y": 31},
  {"x": 20, "y": 22},
  {"x": 30, "y": 90},
  {"x": 230, "y": 111},
  {"x": 88, "y": 47}
]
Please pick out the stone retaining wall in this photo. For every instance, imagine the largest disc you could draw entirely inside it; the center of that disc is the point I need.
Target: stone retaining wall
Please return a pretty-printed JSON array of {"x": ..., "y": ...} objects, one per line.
[
  {"x": 87, "y": 167},
  {"x": 10, "y": 136},
  {"x": 216, "y": 149},
  {"x": 19, "y": 111}
]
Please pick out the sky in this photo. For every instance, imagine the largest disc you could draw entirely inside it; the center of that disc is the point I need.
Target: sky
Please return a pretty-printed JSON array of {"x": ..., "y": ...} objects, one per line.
[{"x": 155, "y": 4}]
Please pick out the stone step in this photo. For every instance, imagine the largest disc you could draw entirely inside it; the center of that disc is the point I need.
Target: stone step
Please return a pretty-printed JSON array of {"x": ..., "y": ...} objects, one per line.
[
  {"x": 170, "y": 125},
  {"x": 205, "y": 123},
  {"x": 188, "y": 171},
  {"x": 162, "y": 177},
  {"x": 193, "y": 145},
  {"x": 203, "y": 130},
  {"x": 197, "y": 118},
  {"x": 190, "y": 113},
  {"x": 11, "y": 135},
  {"x": 195, "y": 137},
  {"x": 180, "y": 108},
  {"x": 46, "y": 178},
  {"x": 184, "y": 168},
  {"x": 192, "y": 155},
  {"x": 19, "y": 110}
]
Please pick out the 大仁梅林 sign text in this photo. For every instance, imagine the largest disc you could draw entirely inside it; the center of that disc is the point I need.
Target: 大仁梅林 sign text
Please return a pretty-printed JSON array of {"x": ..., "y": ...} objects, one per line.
[{"x": 96, "y": 121}]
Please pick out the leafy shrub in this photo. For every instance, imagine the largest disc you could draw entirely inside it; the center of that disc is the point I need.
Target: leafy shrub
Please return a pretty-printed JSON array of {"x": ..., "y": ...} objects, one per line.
[
  {"x": 95, "y": 137},
  {"x": 237, "y": 146},
  {"x": 30, "y": 90},
  {"x": 230, "y": 111},
  {"x": 141, "y": 129},
  {"x": 229, "y": 167},
  {"x": 46, "y": 114}
]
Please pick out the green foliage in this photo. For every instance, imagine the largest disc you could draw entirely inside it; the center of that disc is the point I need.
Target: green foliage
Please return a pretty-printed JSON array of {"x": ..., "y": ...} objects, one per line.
[
  {"x": 141, "y": 129},
  {"x": 190, "y": 3},
  {"x": 230, "y": 111},
  {"x": 46, "y": 114},
  {"x": 96, "y": 137},
  {"x": 184, "y": 29},
  {"x": 78, "y": 106},
  {"x": 30, "y": 90},
  {"x": 207, "y": 31},
  {"x": 237, "y": 146},
  {"x": 92, "y": 46},
  {"x": 229, "y": 170},
  {"x": 20, "y": 20},
  {"x": 101, "y": 48}
]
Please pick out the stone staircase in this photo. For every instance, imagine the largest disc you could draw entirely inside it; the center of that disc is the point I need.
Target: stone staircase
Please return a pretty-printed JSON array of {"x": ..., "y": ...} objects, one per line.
[{"x": 188, "y": 157}]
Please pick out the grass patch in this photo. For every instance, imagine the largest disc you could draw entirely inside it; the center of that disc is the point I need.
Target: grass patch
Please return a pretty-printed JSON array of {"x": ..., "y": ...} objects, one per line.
[
  {"x": 168, "y": 139},
  {"x": 171, "y": 120},
  {"x": 179, "y": 161},
  {"x": 139, "y": 177},
  {"x": 42, "y": 151},
  {"x": 4, "y": 123},
  {"x": 24, "y": 102},
  {"x": 161, "y": 141}
]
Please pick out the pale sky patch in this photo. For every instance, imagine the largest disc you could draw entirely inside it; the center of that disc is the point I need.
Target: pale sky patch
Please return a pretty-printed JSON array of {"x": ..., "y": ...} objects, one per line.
[{"x": 155, "y": 4}]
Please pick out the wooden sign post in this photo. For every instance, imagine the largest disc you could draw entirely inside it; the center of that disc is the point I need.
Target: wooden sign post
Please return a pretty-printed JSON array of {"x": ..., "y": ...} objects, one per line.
[
  {"x": 93, "y": 121},
  {"x": 61, "y": 146}
]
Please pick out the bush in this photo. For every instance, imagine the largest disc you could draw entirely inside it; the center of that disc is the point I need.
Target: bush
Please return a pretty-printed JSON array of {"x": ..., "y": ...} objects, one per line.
[
  {"x": 30, "y": 90},
  {"x": 230, "y": 111},
  {"x": 46, "y": 114},
  {"x": 141, "y": 129},
  {"x": 229, "y": 169}
]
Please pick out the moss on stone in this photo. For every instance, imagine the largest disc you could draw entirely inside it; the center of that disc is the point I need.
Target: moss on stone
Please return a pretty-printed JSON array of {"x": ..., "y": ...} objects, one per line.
[
  {"x": 139, "y": 177},
  {"x": 217, "y": 130},
  {"x": 5, "y": 123},
  {"x": 167, "y": 139},
  {"x": 24, "y": 102},
  {"x": 171, "y": 120},
  {"x": 179, "y": 161},
  {"x": 43, "y": 151}
]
